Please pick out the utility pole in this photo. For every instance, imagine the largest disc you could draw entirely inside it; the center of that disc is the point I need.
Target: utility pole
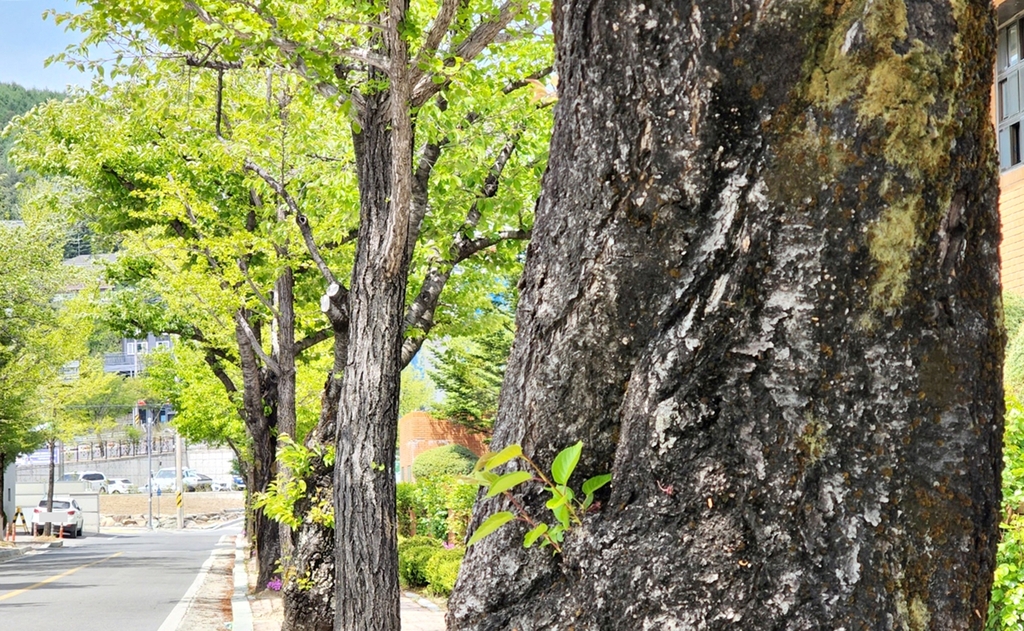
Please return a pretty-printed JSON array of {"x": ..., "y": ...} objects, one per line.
[
  {"x": 180, "y": 485},
  {"x": 140, "y": 409}
]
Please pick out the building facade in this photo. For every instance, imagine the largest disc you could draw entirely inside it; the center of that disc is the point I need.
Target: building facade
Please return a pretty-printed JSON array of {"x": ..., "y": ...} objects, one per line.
[
  {"x": 1008, "y": 116},
  {"x": 419, "y": 432}
]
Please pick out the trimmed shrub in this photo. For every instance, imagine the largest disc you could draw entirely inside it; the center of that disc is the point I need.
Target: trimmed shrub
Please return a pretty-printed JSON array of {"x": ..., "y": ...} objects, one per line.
[
  {"x": 446, "y": 460},
  {"x": 407, "y": 500},
  {"x": 413, "y": 555},
  {"x": 442, "y": 569}
]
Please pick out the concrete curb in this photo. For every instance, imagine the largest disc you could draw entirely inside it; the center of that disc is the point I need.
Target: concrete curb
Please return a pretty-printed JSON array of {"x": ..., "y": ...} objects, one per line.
[
  {"x": 241, "y": 610},
  {"x": 6, "y": 554},
  {"x": 422, "y": 602}
]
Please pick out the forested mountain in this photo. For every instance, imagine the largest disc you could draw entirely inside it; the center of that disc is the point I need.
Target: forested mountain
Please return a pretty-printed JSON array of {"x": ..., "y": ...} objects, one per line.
[{"x": 15, "y": 100}]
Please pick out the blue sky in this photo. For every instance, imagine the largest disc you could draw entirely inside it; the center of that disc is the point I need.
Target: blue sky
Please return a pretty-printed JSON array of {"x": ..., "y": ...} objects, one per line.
[{"x": 26, "y": 41}]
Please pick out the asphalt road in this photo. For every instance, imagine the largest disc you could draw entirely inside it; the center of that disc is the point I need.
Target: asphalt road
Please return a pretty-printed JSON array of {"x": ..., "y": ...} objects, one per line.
[{"x": 119, "y": 582}]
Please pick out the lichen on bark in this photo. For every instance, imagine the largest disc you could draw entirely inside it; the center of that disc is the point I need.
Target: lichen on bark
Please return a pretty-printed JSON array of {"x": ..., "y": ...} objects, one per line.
[{"x": 778, "y": 293}]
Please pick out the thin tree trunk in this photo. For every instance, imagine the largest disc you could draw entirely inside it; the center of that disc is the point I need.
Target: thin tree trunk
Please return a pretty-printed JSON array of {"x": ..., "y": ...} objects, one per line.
[
  {"x": 48, "y": 528},
  {"x": 284, "y": 353},
  {"x": 258, "y": 398},
  {"x": 763, "y": 289}
]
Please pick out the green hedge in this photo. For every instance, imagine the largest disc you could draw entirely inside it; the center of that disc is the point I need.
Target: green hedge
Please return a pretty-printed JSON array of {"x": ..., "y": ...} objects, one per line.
[
  {"x": 447, "y": 460},
  {"x": 442, "y": 569},
  {"x": 413, "y": 555}
]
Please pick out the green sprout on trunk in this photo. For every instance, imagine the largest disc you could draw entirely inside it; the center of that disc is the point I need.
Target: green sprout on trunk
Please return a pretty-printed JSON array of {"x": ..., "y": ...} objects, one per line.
[{"x": 564, "y": 505}]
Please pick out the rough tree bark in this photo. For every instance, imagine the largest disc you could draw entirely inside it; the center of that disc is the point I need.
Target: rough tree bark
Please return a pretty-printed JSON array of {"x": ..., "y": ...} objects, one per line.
[
  {"x": 309, "y": 605},
  {"x": 763, "y": 288},
  {"x": 259, "y": 413},
  {"x": 364, "y": 482}
]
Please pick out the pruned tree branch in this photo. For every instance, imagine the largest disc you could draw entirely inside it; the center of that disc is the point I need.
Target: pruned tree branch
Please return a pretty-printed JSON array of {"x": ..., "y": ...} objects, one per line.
[
  {"x": 300, "y": 219},
  {"x": 313, "y": 339},
  {"x": 254, "y": 343}
]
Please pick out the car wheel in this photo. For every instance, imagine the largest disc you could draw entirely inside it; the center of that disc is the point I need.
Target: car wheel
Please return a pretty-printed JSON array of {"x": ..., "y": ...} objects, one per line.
[
  {"x": 38, "y": 531},
  {"x": 79, "y": 532},
  {"x": 74, "y": 532},
  {"x": 103, "y": 490},
  {"x": 115, "y": 492}
]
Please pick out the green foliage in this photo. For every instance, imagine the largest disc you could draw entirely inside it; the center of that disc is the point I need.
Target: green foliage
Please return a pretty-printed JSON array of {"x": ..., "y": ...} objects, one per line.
[
  {"x": 1013, "y": 368},
  {"x": 417, "y": 392},
  {"x": 204, "y": 410},
  {"x": 406, "y": 505},
  {"x": 564, "y": 504},
  {"x": 32, "y": 275},
  {"x": 469, "y": 372},
  {"x": 413, "y": 555},
  {"x": 442, "y": 569},
  {"x": 1006, "y": 606},
  {"x": 443, "y": 461},
  {"x": 278, "y": 502},
  {"x": 14, "y": 101},
  {"x": 442, "y": 507}
]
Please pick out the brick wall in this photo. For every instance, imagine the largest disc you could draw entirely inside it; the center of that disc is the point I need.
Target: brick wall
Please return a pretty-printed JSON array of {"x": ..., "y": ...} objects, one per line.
[{"x": 419, "y": 432}]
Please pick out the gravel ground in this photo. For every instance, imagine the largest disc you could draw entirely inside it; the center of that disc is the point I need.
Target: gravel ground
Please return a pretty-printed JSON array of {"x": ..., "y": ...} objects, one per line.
[{"x": 194, "y": 503}]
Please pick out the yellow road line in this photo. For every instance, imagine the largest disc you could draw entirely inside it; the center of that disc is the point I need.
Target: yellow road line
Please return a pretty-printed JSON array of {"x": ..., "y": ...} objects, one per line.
[{"x": 56, "y": 578}]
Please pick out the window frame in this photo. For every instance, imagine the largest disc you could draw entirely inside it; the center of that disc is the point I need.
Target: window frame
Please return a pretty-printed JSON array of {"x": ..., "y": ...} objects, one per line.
[{"x": 1009, "y": 87}]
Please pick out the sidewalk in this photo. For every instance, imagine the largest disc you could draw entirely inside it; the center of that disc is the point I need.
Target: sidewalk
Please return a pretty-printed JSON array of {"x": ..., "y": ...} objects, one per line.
[{"x": 265, "y": 611}]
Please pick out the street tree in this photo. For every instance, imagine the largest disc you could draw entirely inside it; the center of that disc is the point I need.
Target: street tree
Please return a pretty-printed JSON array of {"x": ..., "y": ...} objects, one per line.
[
  {"x": 473, "y": 115},
  {"x": 468, "y": 371},
  {"x": 32, "y": 275},
  {"x": 763, "y": 290}
]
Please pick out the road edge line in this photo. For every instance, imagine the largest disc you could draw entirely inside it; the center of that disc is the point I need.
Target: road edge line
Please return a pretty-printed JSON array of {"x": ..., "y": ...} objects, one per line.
[
  {"x": 241, "y": 609},
  {"x": 177, "y": 614}
]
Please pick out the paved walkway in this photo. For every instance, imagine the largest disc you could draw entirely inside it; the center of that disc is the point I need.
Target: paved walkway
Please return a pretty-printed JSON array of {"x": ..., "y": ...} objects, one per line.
[{"x": 265, "y": 611}]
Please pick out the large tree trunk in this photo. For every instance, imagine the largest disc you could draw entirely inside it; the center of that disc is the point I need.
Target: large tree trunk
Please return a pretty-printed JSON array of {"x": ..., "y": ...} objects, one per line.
[
  {"x": 366, "y": 557},
  {"x": 763, "y": 288}
]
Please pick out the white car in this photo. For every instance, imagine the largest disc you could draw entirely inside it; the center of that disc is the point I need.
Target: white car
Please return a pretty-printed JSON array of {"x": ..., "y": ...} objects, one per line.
[
  {"x": 120, "y": 485},
  {"x": 66, "y": 516},
  {"x": 165, "y": 480}
]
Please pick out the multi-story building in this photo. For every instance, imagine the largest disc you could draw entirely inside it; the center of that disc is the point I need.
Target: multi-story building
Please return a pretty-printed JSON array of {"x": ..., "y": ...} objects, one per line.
[{"x": 1008, "y": 115}]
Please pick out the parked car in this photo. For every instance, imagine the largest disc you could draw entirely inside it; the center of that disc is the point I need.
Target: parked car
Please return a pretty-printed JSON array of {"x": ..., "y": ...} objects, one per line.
[
  {"x": 166, "y": 480},
  {"x": 66, "y": 516},
  {"x": 120, "y": 485},
  {"x": 95, "y": 480},
  {"x": 228, "y": 483}
]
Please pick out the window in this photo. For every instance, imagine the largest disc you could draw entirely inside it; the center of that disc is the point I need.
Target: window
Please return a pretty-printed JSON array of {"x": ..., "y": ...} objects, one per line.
[{"x": 1009, "y": 97}]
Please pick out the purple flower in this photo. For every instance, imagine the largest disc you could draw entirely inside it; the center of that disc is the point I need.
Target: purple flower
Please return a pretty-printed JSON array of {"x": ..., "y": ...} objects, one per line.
[{"x": 275, "y": 584}]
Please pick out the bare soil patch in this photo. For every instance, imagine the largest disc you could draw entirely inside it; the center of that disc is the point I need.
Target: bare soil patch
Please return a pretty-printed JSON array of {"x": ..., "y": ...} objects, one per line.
[{"x": 194, "y": 503}]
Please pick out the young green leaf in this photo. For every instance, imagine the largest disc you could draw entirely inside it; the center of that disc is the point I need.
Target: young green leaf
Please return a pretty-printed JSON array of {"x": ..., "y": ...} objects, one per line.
[
  {"x": 534, "y": 534},
  {"x": 503, "y": 456},
  {"x": 592, "y": 485},
  {"x": 484, "y": 478},
  {"x": 561, "y": 513},
  {"x": 596, "y": 482},
  {"x": 557, "y": 533},
  {"x": 559, "y": 496},
  {"x": 492, "y": 523},
  {"x": 508, "y": 481},
  {"x": 565, "y": 462}
]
